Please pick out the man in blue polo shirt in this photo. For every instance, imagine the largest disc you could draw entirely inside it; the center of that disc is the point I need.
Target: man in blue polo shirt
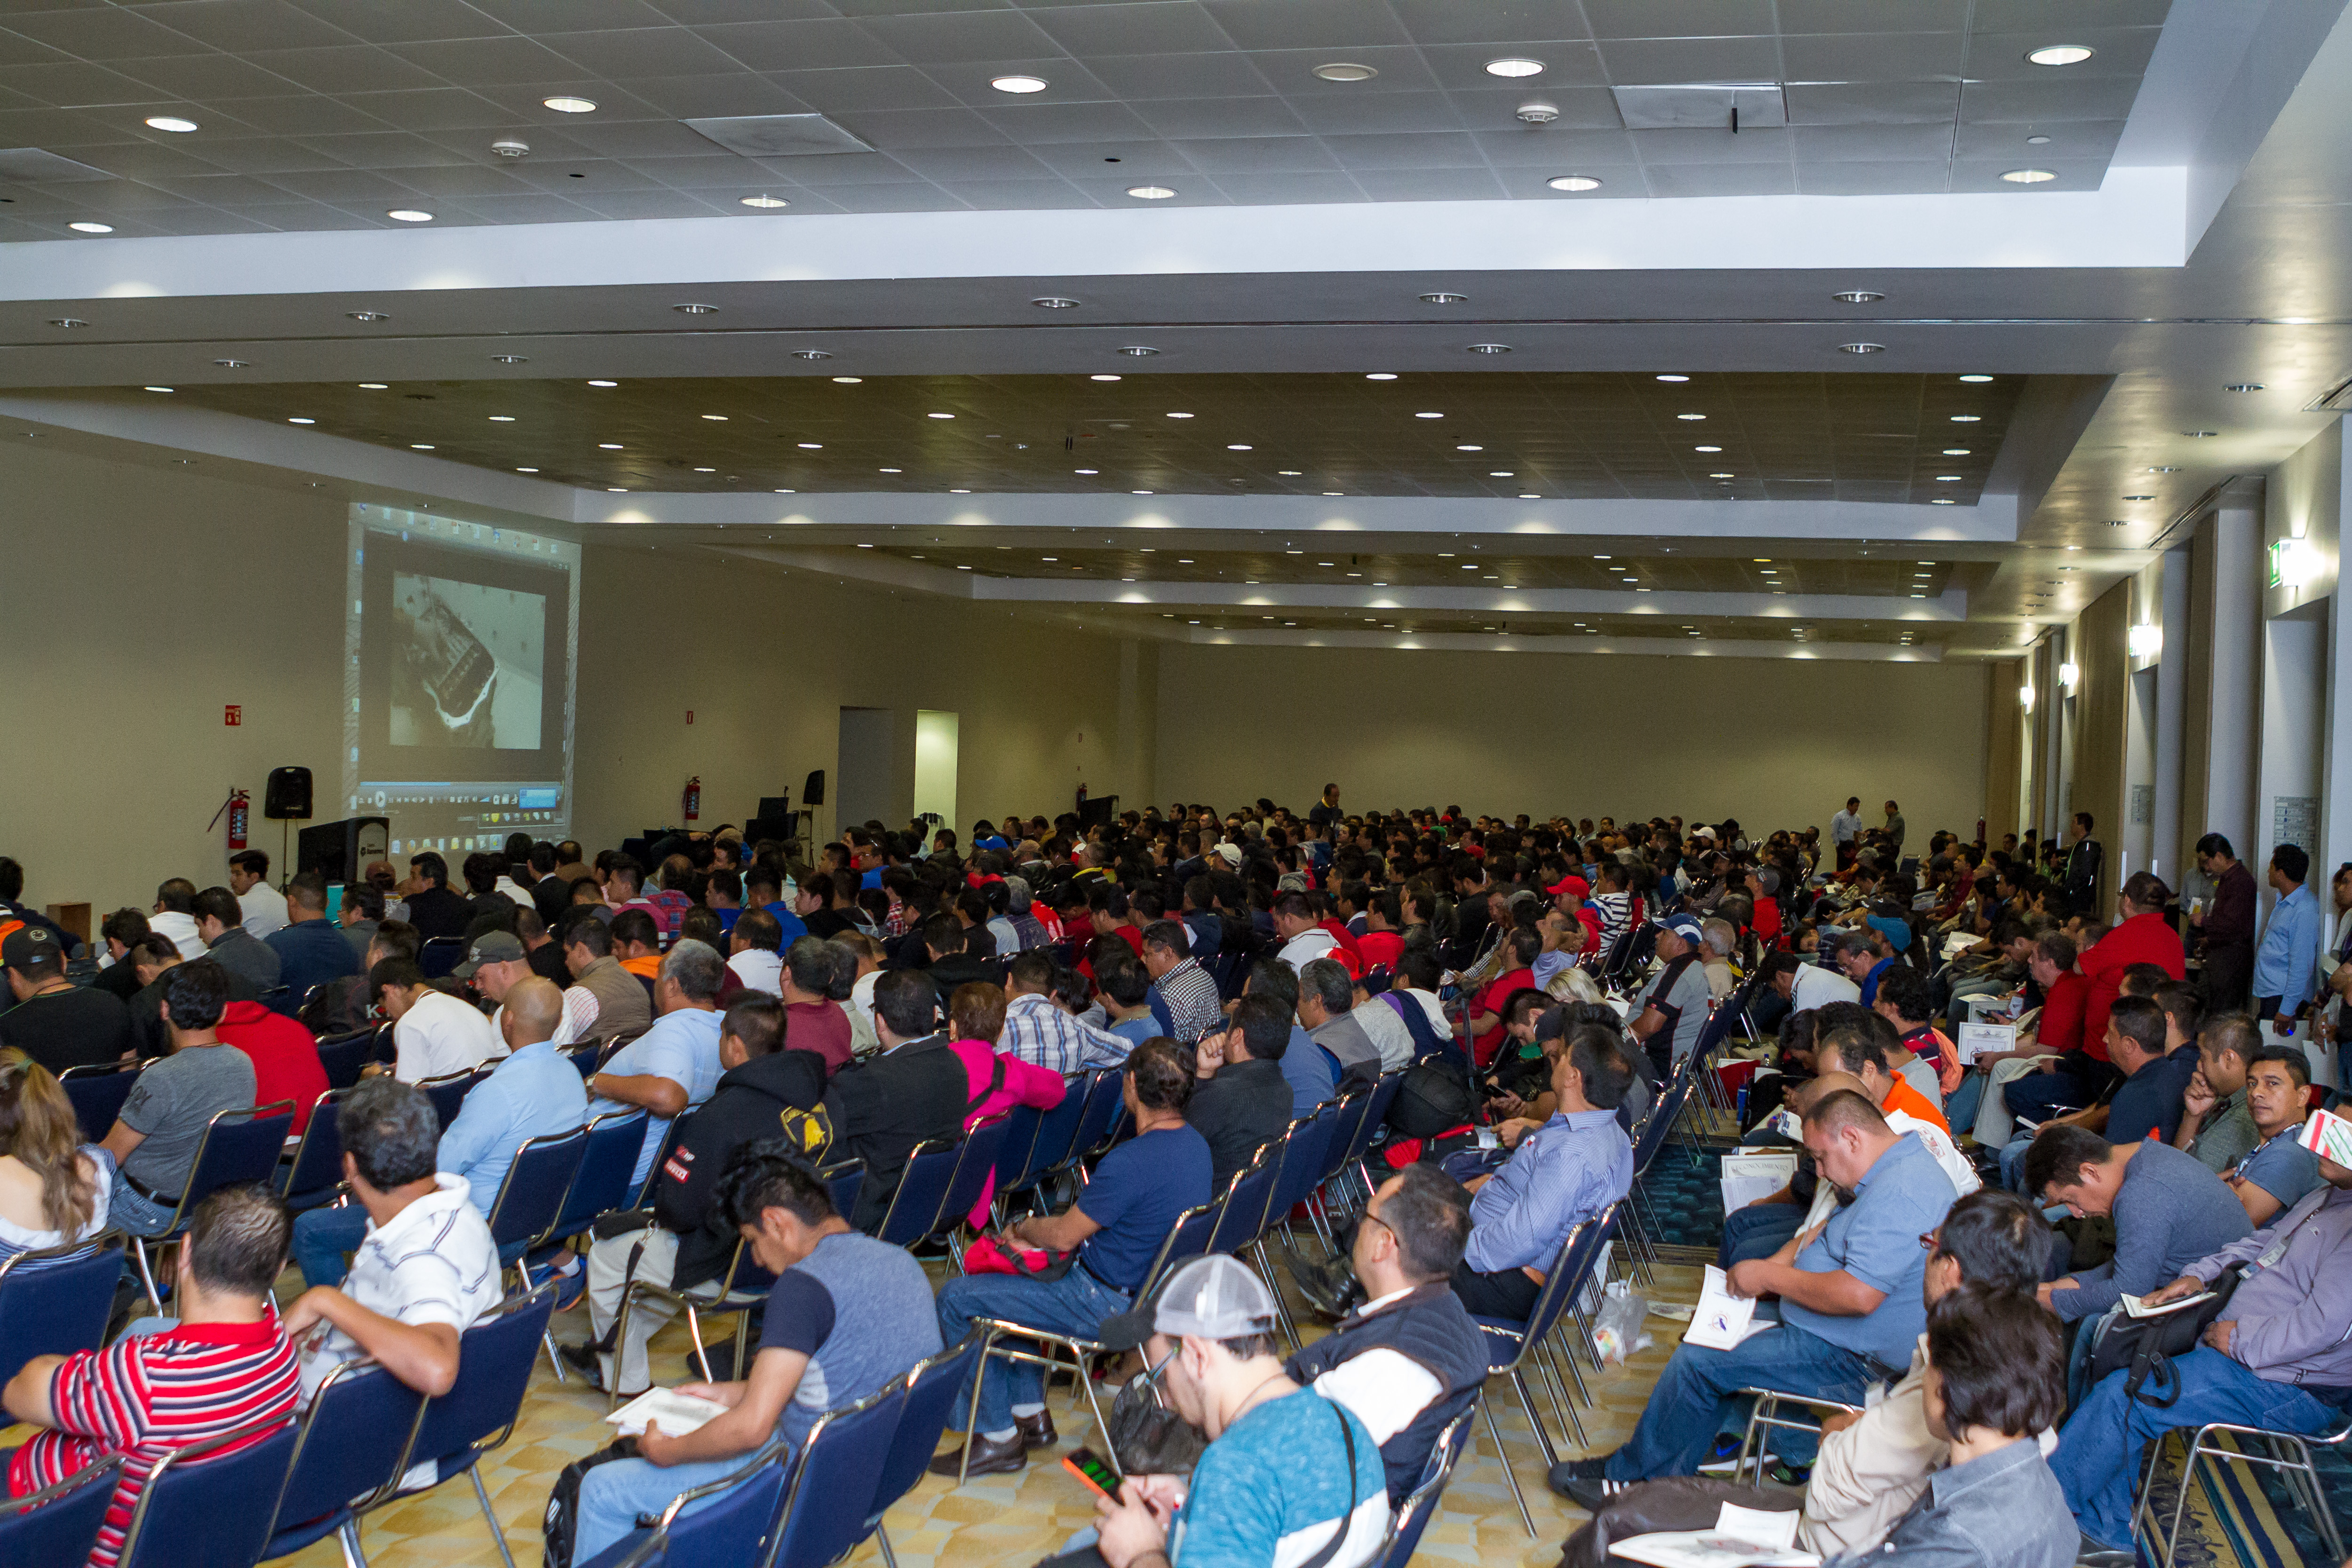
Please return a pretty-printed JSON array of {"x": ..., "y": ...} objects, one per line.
[
  {"x": 1116, "y": 1226},
  {"x": 674, "y": 1065},
  {"x": 1850, "y": 1304}
]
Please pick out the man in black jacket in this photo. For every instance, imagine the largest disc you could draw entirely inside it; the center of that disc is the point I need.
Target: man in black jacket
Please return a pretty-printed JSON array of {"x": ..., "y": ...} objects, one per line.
[
  {"x": 1409, "y": 1359},
  {"x": 433, "y": 908},
  {"x": 916, "y": 1089},
  {"x": 1243, "y": 1100},
  {"x": 689, "y": 1240}
]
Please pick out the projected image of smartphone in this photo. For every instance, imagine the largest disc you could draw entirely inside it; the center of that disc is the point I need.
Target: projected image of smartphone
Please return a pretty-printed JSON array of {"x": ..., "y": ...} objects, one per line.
[{"x": 1089, "y": 1467}]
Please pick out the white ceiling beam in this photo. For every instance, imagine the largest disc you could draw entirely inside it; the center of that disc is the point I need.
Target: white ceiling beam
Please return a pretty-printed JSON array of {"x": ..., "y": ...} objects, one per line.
[{"x": 1670, "y": 647}]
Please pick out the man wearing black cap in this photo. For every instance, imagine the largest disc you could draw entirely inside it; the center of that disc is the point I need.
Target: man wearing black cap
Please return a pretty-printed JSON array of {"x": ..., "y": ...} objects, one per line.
[{"x": 57, "y": 1023}]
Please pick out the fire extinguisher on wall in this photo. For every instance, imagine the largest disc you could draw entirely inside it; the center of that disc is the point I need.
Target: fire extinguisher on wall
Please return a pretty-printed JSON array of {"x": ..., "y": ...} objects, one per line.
[
  {"x": 238, "y": 807},
  {"x": 694, "y": 798}
]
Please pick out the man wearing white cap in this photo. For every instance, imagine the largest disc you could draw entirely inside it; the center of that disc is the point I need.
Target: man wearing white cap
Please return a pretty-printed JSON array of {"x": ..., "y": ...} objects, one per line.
[
  {"x": 1673, "y": 1010},
  {"x": 1289, "y": 1476}
]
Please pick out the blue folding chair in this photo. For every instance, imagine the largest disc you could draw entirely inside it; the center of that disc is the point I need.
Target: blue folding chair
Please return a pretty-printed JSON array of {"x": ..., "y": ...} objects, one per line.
[
  {"x": 744, "y": 1286},
  {"x": 601, "y": 1183},
  {"x": 209, "y": 1505},
  {"x": 825, "y": 1500},
  {"x": 98, "y": 1090},
  {"x": 343, "y": 1054},
  {"x": 314, "y": 1176},
  {"x": 1412, "y": 1514},
  {"x": 59, "y": 1523},
  {"x": 584, "y": 1057},
  {"x": 1051, "y": 1147},
  {"x": 56, "y": 1301},
  {"x": 844, "y": 1179},
  {"x": 931, "y": 1388},
  {"x": 1103, "y": 1109},
  {"x": 531, "y": 1199},
  {"x": 1242, "y": 1220},
  {"x": 237, "y": 1146},
  {"x": 440, "y": 954},
  {"x": 448, "y": 1093},
  {"x": 351, "y": 1446},
  {"x": 975, "y": 1162},
  {"x": 1512, "y": 1348},
  {"x": 914, "y": 1211},
  {"x": 478, "y": 1413}
]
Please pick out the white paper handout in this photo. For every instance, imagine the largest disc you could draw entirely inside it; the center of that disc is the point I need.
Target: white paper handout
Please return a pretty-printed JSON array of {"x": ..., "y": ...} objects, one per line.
[
  {"x": 1775, "y": 1527},
  {"x": 1709, "y": 1549},
  {"x": 1978, "y": 1038},
  {"x": 1748, "y": 1176},
  {"x": 677, "y": 1413},
  {"x": 1722, "y": 1320},
  {"x": 2137, "y": 1306}
]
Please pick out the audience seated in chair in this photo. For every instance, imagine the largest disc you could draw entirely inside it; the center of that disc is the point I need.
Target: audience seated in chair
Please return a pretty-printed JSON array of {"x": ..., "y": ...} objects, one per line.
[
  {"x": 1115, "y": 1227},
  {"x": 425, "y": 1268},
  {"x": 1309, "y": 1069},
  {"x": 2279, "y": 1357},
  {"x": 226, "y": 1362},
  {"x": 847, "y": 1315},
  {"x": 2216, "y": 1125},
  {"x": 914, "y": 1092},
  {"x": 311, "y": 950},
  {"x": 1242, "y": 1101},
  {"x": 2278, "y": 1171},
  {"x": 1042, "y": 1032},
  {"x": 673, "y": 1066},
  {"x": 154, "y": 1141},
  {"x": 2168, "y": 1211},
  {"x": 1849, "y": 1301},
  {"x": 620, "y": 1004},
  {"x": 433, "y": 1033},
  {"x": 220, "y": 921},
  {"x": 53, "y": 1021},
  {"x": 1326, "y": 1001},
  {"x": 53, "y": 1190}
]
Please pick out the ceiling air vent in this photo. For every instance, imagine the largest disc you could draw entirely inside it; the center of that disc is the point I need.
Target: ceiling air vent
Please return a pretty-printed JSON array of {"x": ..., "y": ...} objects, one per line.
[
  {"x": 2336, "y": 399},
  {"x": 779, "y": 135},
  {"x": 1705, "y": 106},
  {"x": 32, "y": 166}
]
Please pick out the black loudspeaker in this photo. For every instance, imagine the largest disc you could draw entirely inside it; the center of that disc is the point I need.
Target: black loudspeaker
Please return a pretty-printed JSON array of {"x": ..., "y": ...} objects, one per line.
[
  {"x": 812, "y": 792},
  {"x": 1098, "y": 810},
  {"x": 289, "y": 793},
  {"x": 340, "y": 850}
]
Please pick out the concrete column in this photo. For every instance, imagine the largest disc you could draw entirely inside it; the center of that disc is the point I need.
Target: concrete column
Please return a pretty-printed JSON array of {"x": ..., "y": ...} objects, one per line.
[{"x": 2222, "y": 738}]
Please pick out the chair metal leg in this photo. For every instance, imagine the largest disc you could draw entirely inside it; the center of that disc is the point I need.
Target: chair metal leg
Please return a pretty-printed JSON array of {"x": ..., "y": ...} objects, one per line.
[
  {"x": 694, "y": 1331},
  {"x": 882, "y": 1539},
  {"x": 1528, "y": 1403},
  {"x": 1503, "y": 1457},
  {"x": 348, "y": 1537},
  {"x": 482, "y": 1496},
  {"x": 1087, "y": 1382},
  {"x": 971, "y": 1415},
  {"x": 147, "y": 1278},
  {"x": 1562, "y": 1407},
  {"x": 742, "y": 1333},
  {"x": 620, "y": 1338},
  {"x": 547, "y": 1338}
]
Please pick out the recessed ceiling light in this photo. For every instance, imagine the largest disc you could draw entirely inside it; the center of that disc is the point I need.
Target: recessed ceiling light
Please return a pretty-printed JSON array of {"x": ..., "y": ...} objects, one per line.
[
  {"x": 1469, "y": 447},
  {"x": 526, "y": 470},
  {"x": 616, "y": 489},
  {"x": 67, "y": 321},
  {"x": 1055, "y": 303},
  {"x": 91, "y": 227},
  {"x": 1976, "y": 378},
  {"x": 1514, "y": 66},
  {"x": 2037, "y": 141},
  {"x": 297, "y": 419},
  {"x": 604, "y": 383},
  {"x": 1490, "y": 348},
  {"x": 939, "y": 416},
  {"x": 2059, "y": 55},
  {"x": 420, "y": 446},
  {"x": 1948, "y": 478},
  {"x": 811, "y": 356},
  {"x": 1150, "y": 192},
  {"x": 172, "y": 122},
  {"x": 409, "y": 214},
  {"x": 1102, "y": 378},
  {"x": 694, "y": 310},
  {"x": 1238, "y": 447},
  {"x": 1291, "y": 473},
  {"x": 890, "y": 471},
  {"x": 1706, "y": 449},
  {"x": 1956, "y": 451},
  {"x": 608, "y": 446},
  {"x": 2029, "y": 176},
  {"x": 571, "y": 105},
  {"x": 1380, "y": 375},
  {"x": 2233, "y": 386},
  {"x": 1441, "y": 297},
  {"x": 1574, "y": 182},
  {"x": 1335, "y": 492},
  {"x": 1967, "y": 419},
  {"x": 156, "y": 389},
  {"x": 1180, "y": 415},
  {"x": 764, "y": 202},
  {"x": 810, "y": 446},
  {"x": 1857, "y": 296},
  {"x": 1942, "y": 500},
  {"x": 1674, "y": 378},
  {"x": 719, "y": 419},
  {"x": 1018, "y": 84},
  {"x": 1690, "y": 415},
  {"x": 1862, "y": 348},
  {"x": 1723, "y": 475},
  {"x": 1345, "y": 70},
  {"x": 1085, "y": 471},
  {"x": 233, "y": 364},
  {"x": 709, "y": 471},
  {"x": 848, "y": 380}
]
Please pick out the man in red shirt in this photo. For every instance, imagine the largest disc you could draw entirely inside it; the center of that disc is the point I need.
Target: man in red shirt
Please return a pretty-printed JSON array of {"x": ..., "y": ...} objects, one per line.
[
  {"x": 1486, "y": 1025},
  {"x": 1764, "y": 886},
  {"x": 1382, "y": 942},
  {"x": 2141, "y": 936},
  {"x": 224, "y": 1364},
  {"x": 285, "y": 1058}
]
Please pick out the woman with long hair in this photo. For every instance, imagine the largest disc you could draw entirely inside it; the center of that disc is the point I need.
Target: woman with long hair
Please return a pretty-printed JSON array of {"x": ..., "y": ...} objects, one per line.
[{"x": 52, "y": 1190}]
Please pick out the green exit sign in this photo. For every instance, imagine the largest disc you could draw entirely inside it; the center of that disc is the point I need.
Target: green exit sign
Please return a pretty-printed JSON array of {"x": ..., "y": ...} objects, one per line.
[{"x": 2278, "y": 559}]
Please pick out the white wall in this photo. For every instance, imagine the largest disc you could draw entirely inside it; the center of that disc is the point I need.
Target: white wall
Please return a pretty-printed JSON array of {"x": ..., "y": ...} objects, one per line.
[{"x": 1773, "y": 742}]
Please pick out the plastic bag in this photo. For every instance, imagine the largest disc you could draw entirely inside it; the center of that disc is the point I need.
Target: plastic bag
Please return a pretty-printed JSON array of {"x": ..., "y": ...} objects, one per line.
[{"x": 1617, "y": 1330}]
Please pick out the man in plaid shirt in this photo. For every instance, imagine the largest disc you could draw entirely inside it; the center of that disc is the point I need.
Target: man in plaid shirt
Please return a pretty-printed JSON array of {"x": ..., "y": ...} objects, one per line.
[{"x": 1037, "y": 1028}]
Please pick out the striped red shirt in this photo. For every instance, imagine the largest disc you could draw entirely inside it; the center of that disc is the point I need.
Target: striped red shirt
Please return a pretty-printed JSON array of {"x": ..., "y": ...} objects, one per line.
[{"x": 147, "y": 1396}]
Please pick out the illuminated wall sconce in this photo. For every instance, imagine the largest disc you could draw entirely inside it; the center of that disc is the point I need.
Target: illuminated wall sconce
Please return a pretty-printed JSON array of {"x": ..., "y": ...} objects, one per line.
[
  {"x": 2068, "y": 675},
  {"x": 2299, "y": 563},
  {"x": 2147, "y": 641},
  {"x": 2025, "y": 698}
]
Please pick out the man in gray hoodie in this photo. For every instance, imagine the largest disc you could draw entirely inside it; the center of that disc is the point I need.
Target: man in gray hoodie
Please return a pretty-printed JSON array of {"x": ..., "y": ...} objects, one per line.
[{"x": 2280, "y": 1357}]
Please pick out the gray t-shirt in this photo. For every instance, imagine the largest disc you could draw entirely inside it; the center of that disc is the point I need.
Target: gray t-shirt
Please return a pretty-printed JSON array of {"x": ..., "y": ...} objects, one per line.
[
  {"x": 172, "y": 1102},
  {"x": 861, "y": 1310},
  {"x": 2282, "y": 1168},
  {"x": 1680, "y": 992}
]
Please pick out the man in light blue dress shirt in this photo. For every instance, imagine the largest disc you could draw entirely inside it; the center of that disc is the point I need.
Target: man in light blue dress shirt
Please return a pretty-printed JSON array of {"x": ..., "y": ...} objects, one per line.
[
  {"x": 674, "y": 1065},
  {"x": 2286, "y": 965}
]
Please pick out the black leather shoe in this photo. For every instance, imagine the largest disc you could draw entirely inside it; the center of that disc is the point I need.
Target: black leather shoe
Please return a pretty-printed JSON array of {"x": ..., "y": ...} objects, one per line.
[
  {"x": 580, "y": 1357},
  {"x": 1036, "y": 1431},
  {"x": 987, "y": 1458},
  {"x": 1329, "y": 1288}
]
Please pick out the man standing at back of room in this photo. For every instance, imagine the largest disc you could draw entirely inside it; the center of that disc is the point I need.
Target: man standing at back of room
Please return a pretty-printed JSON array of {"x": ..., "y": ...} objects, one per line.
[{"x": 2286, "y": 965}]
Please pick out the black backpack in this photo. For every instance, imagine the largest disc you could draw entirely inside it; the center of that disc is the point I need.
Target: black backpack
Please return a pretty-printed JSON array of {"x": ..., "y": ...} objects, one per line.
[
  {"x": 2143, "y": 1348},
  {"x": 561, "y": 1522},
  {"x": 1429, "y": 1101}
]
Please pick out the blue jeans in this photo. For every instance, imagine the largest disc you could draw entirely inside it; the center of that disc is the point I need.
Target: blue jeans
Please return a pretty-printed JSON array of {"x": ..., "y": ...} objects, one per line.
[
  {"x": 613, "y": 1496},
  {"x": 1693, "y": 1398},
  {"x": 1760, "y": 1230},
  {"x": 131, "y": 1211},
  {"x": 322, "y": 1239},
  {"x": 1076, "y": 1303},
  {"x": 1960, "y": 1110},
  {"x": 2098, "y": 1461}
]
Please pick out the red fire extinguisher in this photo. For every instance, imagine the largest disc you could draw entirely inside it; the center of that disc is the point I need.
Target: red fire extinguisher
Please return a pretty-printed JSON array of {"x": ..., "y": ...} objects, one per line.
[
  {"x": 238, "y": 808},
  {"x": 694, "y": 797}
]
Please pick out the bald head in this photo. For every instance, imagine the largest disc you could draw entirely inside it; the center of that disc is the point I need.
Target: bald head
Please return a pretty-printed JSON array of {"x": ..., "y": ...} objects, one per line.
[{"x": 534, "y": 1008}]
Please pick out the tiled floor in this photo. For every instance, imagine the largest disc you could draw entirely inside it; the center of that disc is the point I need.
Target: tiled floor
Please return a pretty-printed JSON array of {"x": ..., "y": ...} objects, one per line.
[{"x": 1012, "y": 1521}]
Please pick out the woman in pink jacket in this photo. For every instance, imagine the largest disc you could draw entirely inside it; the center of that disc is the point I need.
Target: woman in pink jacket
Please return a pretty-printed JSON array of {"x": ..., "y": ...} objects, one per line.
[{"x": 996, "y": 1080}]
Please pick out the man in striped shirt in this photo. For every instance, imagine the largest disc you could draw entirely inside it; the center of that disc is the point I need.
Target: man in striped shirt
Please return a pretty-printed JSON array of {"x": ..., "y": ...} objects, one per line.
[
  {"x": 227, "y": 1365},
  {"x": 1037, "y": 1028},
  {"x": 1183, "y": 997}
]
